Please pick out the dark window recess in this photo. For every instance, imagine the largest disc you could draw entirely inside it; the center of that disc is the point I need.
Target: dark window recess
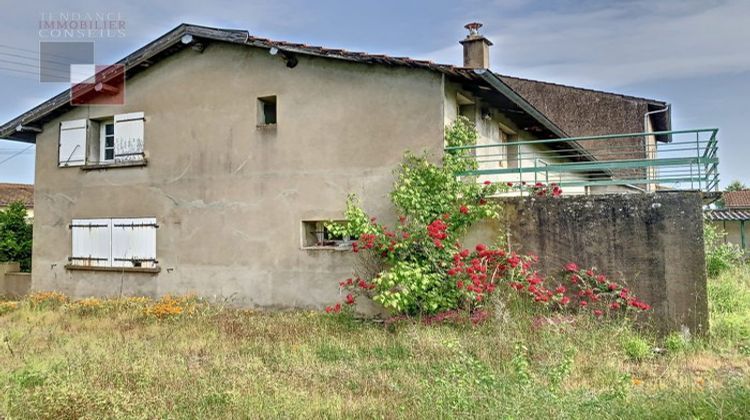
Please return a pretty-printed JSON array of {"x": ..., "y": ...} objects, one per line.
[
  {"x": 267, "y": 110},
  {"x": 317, "y": 234}
]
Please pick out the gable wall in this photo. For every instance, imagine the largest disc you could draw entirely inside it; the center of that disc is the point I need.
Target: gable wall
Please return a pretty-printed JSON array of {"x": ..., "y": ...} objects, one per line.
[{"x": 230, "y": 198}]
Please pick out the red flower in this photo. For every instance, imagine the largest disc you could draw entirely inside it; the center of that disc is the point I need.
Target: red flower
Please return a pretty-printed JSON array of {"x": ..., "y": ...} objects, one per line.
[
  {"x": 510, "y": 184},
  {"x": 615, "y": 305},
  {"x": 571, "y": 267},
  {"x": 487, "y": 182},
  {"x": 565, "y": 300},
  {"x": 349, "y": 299},
  {"x": 583, "y": 303},
  {"x": 601, "y": 278},
  {"x": 598, "y": 312},
  {"x": 481, "y": 247},
  {"x": 460, "y": 284},
  {"x": 482, "y": 201},
  {"x": 464, "y": 209},
  {"x": 560, "y": 290}
]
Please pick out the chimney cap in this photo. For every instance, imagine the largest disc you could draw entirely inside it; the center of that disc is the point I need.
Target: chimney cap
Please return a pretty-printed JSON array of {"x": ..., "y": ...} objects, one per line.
[{"x": 473, "y": 28}]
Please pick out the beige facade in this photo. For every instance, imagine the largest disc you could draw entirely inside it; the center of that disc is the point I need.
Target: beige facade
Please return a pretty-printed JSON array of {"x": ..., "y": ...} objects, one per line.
[
  {"x": 230, "y": 197},
  {"x": 234, "y": 191},
  {"x": 734, "y": 232}
]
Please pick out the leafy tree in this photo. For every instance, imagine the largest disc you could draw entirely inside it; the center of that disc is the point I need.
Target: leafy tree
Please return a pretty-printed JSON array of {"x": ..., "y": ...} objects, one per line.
[{"x": 15, "y": 236}]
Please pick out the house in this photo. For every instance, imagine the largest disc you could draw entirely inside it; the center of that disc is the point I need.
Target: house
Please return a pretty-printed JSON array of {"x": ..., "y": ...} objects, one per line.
[
  {"x": 734, "y": 218},
  {"x": 231, "y": 151},
  {"x": 12, "y": 193}
]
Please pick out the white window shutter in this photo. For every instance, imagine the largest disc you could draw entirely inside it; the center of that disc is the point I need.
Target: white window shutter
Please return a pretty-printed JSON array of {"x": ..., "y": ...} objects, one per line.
[
  {"x": 129, "y": 136},
  {"x": 91, "y": 242},
  {"x": 134, "y": 242},
  {"x": 72, "y": 147}
]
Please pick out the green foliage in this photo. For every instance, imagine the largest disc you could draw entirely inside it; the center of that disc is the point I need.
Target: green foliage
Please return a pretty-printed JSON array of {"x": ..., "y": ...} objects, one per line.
[
  {"x": 435, "y": 209},
  {"x": 15, "y": 236},
  {"x": 729, "y": 305},
  {"x": 720, "y": 256},
  {"x": 636, "y": 348},
  {"x": 675, "y": 343}
]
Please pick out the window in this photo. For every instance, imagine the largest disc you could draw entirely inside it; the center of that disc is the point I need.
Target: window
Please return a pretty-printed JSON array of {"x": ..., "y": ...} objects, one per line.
[
  {"x": 102, "y": 141},
  {"x": 317, "y": 235},
  {"x": 107, "y": 141},
  {"x": 120, "y": 242},
  {"x": 267, "y": 110}
]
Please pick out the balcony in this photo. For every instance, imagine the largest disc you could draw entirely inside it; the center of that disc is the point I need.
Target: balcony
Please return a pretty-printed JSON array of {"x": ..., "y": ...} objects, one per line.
[{"x": 637, "y": 162}]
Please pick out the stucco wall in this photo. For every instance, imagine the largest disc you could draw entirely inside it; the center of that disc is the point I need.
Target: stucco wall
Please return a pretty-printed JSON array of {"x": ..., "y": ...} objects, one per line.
[
  {"x": 732, "y": 230},
  {"x": 653, "y": 242},
  {"x": 229, "y": 198}
]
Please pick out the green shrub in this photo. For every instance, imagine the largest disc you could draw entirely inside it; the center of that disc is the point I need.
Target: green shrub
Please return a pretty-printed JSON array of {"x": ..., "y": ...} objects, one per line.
[
  {"x": 675, "y": 343},
  {"x": 15, "y": 236},
  {"x": 636, "y": 348},
  {"x": 720, "y": 256}
]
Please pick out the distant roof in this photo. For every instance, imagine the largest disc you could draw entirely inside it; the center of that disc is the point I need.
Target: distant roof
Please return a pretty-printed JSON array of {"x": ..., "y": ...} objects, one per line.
[
  {"x": 549, "y": 109},
  {"x": 737, "y": 199},
  {"x": 726, "y": 215},
  {"x": 11, "y": 193}
]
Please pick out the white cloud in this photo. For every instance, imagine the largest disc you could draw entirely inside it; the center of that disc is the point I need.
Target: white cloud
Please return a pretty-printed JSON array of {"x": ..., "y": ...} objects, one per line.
[{"x": 623, "y": 44}]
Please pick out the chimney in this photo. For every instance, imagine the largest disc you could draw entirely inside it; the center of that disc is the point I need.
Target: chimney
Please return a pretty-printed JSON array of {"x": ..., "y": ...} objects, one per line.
[{"x": 476, "y": 48}]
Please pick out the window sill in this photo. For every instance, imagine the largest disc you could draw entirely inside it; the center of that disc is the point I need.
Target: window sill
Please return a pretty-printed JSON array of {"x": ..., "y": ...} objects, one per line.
[
  {"x": 347, "y": 248},
  {"x": 266, "y": 127},
  {"x": 102, "y": 166},
  {"x": 144, "y": 270}
]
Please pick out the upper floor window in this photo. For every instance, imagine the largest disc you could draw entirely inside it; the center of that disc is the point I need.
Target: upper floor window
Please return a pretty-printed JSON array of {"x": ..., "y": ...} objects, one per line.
[
  {"x": 107, "y": 141},
  {"x": 115, "y": 140},
  {"x": 267, "y": 110}
]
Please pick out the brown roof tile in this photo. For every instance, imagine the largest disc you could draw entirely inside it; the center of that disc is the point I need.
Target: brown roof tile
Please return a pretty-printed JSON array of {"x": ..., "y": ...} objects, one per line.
[
  {"x": 10, "y": 193},
  {"x": 737, "y": 199}
]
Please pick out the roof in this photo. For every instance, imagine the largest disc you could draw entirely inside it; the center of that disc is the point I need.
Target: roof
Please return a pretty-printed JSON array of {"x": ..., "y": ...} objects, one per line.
[
  {"x": 25, "y": 126},
  {"x": 587, "y": 112},
  {"x": 11, "y": 193},
  {"x": 737, "y": 199},
  {"x": 728, "y": 215},
  {"x": 542, "y": 107}
]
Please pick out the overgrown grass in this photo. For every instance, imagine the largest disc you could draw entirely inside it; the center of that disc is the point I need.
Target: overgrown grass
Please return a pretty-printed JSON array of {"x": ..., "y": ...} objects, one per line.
[{"x": 181, "y": 358}]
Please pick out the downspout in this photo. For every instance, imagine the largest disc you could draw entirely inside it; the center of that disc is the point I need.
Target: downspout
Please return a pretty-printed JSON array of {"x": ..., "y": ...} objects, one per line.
[{"x": 646, "y": 117}]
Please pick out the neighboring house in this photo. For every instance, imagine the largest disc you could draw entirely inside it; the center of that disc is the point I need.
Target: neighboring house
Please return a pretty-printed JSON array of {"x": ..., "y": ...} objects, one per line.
[
  {"x": 231, "y": 151},
  {"x": 11, "y": 193},
  {"x": 734, "y": 218}
]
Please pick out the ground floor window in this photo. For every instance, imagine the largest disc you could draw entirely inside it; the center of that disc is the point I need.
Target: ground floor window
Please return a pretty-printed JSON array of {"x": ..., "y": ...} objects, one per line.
[
  {"x": 317, "y": 235},
  {"x": 114, "y": 242}
]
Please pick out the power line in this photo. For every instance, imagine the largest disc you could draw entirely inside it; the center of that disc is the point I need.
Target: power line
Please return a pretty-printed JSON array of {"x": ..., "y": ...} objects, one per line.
[{"x": 16, "y": 154}]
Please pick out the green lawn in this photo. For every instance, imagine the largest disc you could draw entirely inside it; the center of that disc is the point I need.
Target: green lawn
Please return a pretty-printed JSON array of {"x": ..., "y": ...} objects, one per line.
[{"x": 116, "y": 358}]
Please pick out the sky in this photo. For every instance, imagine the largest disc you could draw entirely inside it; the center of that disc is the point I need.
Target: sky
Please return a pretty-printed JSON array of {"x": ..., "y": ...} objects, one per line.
[{"x": 694, "y": 54}]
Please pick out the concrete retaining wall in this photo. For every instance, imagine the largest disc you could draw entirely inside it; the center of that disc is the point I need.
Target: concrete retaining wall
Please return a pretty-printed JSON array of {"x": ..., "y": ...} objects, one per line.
[
  {"x": 12, "y": 282},
  {"x": 654, "y": 242}
]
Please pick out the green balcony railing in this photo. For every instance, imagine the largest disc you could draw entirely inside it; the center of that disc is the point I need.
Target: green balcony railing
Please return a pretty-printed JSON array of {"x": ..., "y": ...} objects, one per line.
[{"x": 663, "y": 160}]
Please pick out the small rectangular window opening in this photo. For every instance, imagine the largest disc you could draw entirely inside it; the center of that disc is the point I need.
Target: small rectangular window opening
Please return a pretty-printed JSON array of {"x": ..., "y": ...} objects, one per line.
[
  {"x": 267, "y": 110},
  {"x": 317, "y": 234}
]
